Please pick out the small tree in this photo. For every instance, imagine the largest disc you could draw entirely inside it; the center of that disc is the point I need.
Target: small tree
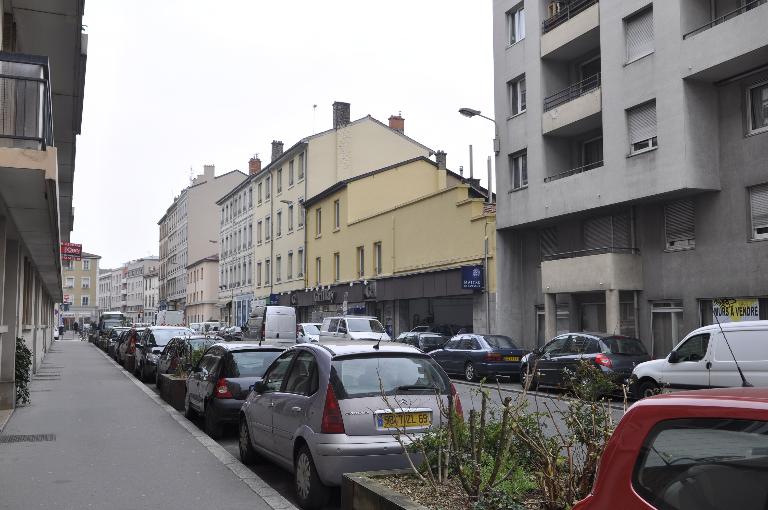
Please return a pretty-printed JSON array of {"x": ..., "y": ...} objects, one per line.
[{"x": 23, "y": 364}]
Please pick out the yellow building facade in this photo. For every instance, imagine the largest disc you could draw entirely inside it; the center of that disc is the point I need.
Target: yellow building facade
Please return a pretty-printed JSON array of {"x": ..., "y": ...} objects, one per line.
[
  {"x": 80, "y": 284},
  {"x": 393, "y": 242}
]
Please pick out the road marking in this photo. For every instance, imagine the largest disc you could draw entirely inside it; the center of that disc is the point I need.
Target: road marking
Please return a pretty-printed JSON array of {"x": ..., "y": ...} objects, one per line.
[{"x": 269, "y": 496}]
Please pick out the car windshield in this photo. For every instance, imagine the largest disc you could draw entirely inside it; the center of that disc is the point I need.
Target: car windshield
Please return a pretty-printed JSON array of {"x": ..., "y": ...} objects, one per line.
[
  {"x": 500, "y": 342},
  {"x": 252, "y": 363},
  {"x": 625, "y": 346},
  {"x": 365, "y": 325},
  {"x": 368, "y": 376},
  {"x": 112, "y": 323},
  {"x": 163, "y": 336},
  {"x": 311, "y": 329}
]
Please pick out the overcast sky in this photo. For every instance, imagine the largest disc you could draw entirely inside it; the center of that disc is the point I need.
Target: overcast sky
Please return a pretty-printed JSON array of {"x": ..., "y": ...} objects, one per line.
[{"x": 173, "y": 85}]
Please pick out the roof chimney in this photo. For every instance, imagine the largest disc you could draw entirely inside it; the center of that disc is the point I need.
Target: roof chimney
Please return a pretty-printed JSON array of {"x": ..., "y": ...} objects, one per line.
[
  {"x": 254, "y": 165},
  {"x": 397, "y": 122},
  {"x": 340, "y": 114},
  {"x": 277, "y": 149},
  {"x": 441, "y": 158},
  {"x": 209, "y": 171},
  {"x": 442, "y": 172}
]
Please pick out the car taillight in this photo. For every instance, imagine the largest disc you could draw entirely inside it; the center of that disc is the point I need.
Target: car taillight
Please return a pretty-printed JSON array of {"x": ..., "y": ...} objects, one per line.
[
  {"x": 492, "y": 356},
  {"x": 222, "y": 389},
  {"x": 333, "y": 422},
  {"x": 457, "y": 402},
  {"x": 603, "y": 360}
]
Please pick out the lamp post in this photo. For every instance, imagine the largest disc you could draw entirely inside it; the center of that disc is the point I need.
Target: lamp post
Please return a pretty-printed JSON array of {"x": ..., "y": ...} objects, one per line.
[{"x": 471, "y": 112}]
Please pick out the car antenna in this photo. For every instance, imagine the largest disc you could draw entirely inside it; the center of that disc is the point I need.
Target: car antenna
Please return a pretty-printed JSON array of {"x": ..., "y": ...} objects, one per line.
[
  {"x": 377, "y": 344},
  {"x": 744, "y": 382}
]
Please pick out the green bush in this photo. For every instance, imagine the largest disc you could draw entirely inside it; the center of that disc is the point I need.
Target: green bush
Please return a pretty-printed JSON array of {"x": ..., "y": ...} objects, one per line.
[{"x": 23, "y": 364}]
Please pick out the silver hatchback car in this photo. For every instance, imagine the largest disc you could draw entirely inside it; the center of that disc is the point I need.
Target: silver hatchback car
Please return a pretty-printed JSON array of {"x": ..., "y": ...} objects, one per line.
[{"x": 326, "y": 409}]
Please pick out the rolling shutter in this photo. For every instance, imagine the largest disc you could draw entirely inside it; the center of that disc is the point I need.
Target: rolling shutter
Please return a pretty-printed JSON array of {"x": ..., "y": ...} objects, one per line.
[
  {"x": 548, "y": 240},
  {"x": 639, "y": 34},
  {"x": 679, "y": 220},
  {"x": 642, "y": 122},
  {"x": 758, "y": 200},
  {"x": 597, "y": 233}
]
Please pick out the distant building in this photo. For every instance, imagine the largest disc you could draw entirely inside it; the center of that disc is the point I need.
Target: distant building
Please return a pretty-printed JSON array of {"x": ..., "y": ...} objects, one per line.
[
  {"x": 134, "y": 286},
  {"x": 202, "y": 290},
  {"x": 151, "y": 295},
  {"x": 80, "y": 279}
]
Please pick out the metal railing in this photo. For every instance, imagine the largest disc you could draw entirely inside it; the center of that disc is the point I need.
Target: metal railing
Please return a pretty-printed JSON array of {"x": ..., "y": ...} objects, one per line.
[
  {"x": 574, "y": 171},
  {"x": 572, "y": 92},
  {"x": 568, "y": 9},
  {"x": 26, "y": 113},
  {"x": 590, "y": 251},
  {"x": 736, "y": 12}
]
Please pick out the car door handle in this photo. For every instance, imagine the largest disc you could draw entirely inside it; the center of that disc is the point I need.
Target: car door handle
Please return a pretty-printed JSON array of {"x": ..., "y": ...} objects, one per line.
[
  {"x": 296, "y": 409},
  {"x": 709, "y": 365}
]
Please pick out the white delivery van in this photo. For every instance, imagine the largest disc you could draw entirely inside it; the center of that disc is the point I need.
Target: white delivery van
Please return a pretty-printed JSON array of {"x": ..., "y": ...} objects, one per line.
[
  {"x": 703, "y": 360},
  {"x": 353, "y": 327},
  {"x": 170, "y": 318},
  {"x": 272, "y": 323}
]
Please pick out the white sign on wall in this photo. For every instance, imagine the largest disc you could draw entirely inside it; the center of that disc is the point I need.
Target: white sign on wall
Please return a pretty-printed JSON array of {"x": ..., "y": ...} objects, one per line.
[{"x": 736, "y": 310}]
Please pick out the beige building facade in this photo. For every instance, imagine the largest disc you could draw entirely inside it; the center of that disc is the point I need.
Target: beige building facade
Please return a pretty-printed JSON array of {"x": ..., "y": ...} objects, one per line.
[
  {"x": 202, "y": 290},
  {"x": 80, "y": 289}
]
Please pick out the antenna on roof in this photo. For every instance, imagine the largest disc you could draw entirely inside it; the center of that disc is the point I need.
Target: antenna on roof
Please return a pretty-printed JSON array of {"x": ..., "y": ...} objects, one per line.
[
  {"x": 314, "y": 111},
  {"x": 191, "y": 175},
  {"x": 377, "y": 344},
  {"x": 744, "y": 382}
]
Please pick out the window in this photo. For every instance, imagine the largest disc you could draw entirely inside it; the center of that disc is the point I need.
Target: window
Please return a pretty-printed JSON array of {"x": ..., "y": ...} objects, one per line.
[
  {"x": 704, "y": 463},
  {"x": 515, "y": 25},
  {"x": 758, "y": 204},
  {"x": 360, "y": 261},
  {"x": 679, "y": 225},
  {"x": 336, "y": 214},
  {"x": 301, "y": 263},
  {"x": 290, "y": 173},
  {"x": 279, "y": 180},
  {"x": 85, "y": 300},
  {"x": 318, "y": 271},
  {"x": 592, "y": 153},
  {"x": 85, "y": 283},
  {"x": 258, "y": 232},
  {"x": 278, "y": 268},
  {"x": 258, "y": 193},
  {"x": 642, "y": 127},
  {"x": 377, "y": 257},
  {"x": 250, "y": 273},
  {"x": 694, "y": 349},
  {"x": 250, "y": 197},
  {"x": 267, "y": 272},
  {"x": 258, "y": 274},
  {"x": 268, "y": 186},
  {"x": 289, "y": 270},
  {"x": 273, "y": 379},
  {"x": 302, "y": 212},
  {"x": 290, "y": 218},
  {"x": 303, "y": 379},
  {"x": 318, "y": 221},
  {"x": 638, "y": 31},
  {"x": 86, "y": 265},
  {"x": 70, "y": 282},
  {"x": 279, "y": 223},
  {"x": 758, "y": 108},
  {"x": 301, "y": 166},
  {"x": 518, "y": 166},
  {"x": 250, "y": 234},
  {"x": 68, "y": 265},
  {"x": 336, "y": 267},
  {"x": 267, "y": 228},
  {"x": 516, "y": 96}
]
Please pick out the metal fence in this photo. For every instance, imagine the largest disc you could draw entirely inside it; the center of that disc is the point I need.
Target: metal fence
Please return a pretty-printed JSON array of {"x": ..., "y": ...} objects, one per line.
[
  {"x": 737, "y": 12},
  {"x": 565, "y": 11},
  {"x": 591, "y": 251},
  {"x": 574, "y": 171},
  {"x": 26, "y": 118},
  {"x": 572, "y": 92}
]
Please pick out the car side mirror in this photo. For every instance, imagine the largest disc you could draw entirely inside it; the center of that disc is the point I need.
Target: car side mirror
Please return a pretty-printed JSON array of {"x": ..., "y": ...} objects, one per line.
[
  {"x": 673, "y": 357},
  {"x": 259, "y": 387}
]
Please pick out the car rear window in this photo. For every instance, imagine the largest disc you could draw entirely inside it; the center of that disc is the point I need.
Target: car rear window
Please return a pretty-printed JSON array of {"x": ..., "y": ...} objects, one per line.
[
  {"x": 365, "y": 325},
  {"x": 368, "y": 376},
  {"x": 252, "y": 363},
  {"x": 163, "y": 336},
  {"x": 500, "y": 342},
  {"x": 624, "y": 345},
  {"x": 311, "y": 329},
  {"x": 432, "y": 340}
]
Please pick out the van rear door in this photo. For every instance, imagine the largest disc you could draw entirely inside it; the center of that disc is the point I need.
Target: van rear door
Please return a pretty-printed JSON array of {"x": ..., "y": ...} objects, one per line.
[{"x": 281, "y": 324}]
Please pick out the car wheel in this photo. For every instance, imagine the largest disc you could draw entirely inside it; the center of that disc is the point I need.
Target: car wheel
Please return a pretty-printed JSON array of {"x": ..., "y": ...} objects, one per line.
[
  {"x": 247, "y": 453},
  {"x": 310, "y": 491},
  {"x": 469, "y": 372},
  {"x": 647, "y": 388},
  {"x": 212, "y": 427},
  {"x": 189, "y": 413},
  {"x": 527, "y": 379}
]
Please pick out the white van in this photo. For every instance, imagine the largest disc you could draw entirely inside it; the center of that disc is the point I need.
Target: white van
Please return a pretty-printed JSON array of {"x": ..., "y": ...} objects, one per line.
[
  {"x": 703, "y": 360},
  {"x": 353, "y": 327},
  {"x": 272, "y": 324}
]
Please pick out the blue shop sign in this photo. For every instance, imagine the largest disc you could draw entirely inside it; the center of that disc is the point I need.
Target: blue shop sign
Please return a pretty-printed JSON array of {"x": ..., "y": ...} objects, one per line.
[
  {"x": 472, "y": 277},
  {"x": 274, "y": 299}
]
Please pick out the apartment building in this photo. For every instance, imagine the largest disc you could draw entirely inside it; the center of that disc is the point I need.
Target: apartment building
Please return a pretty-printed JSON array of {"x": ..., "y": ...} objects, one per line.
[
  {"x": 188, "y": 231},
  {"x": 151, "y": 295},
  {"x": 42, "y": 63},
  {"x": 104, "y": 294},
  {"x": 134, "y": 287},
  {"x": 313, "y": 164},
  {"x": 203, "y": 290},
  {"x": 397, "y": 243},
  {"x": 79, "y": 302},
  {"x": 633, "y": 191}
]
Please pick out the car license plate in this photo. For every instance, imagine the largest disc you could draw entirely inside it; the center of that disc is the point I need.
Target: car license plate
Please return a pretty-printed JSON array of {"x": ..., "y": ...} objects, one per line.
[
  {"x": 511, "y": 358},
  {"x": 403, "y": 420}
]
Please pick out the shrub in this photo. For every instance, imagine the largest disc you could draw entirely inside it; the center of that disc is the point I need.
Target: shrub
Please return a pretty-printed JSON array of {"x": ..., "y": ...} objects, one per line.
[{"x": 23, "y": 364}]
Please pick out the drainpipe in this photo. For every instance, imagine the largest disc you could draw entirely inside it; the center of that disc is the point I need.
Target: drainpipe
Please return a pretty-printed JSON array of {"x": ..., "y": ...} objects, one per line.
[{"x": 485, "y": 282}]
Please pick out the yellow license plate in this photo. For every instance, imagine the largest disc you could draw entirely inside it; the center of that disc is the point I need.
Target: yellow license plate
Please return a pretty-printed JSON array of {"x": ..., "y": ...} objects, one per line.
[
  {"x": 403, "y": 420},
  {"x": 511, "y": 358}
]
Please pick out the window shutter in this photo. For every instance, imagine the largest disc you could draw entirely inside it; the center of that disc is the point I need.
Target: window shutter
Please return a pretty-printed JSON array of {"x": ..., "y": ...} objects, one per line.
[
  {"x": 642, "y": 122},
  {"x": 622, "y": 235},
  {"x": 758, "y": 199},
  {"x": 639, "y": 34},
  {"x": 597, "y": 233},
  {"x": 679, "y": 220},
  {"x": 548, "y": 241}
]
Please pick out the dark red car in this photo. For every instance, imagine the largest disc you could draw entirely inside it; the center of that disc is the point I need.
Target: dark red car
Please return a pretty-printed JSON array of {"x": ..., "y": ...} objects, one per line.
[{"x": 697, "y": 450}]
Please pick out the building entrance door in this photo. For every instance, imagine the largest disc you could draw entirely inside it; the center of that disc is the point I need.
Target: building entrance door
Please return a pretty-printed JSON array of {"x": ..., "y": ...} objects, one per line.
[
  {"x": 593, "y": 317},
  {"x": 666, "y": 327}
]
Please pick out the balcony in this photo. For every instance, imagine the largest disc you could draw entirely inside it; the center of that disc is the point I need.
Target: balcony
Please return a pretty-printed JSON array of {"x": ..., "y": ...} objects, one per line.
[
  {"x": 591, "y": 270},
  {"x": 574, "y": 171},
  {"x": 26, "y": 121},
  {"x": 730, "y": 15},
  {"x": 572, "y": 28},
  {"x": 573, "y": 110}
]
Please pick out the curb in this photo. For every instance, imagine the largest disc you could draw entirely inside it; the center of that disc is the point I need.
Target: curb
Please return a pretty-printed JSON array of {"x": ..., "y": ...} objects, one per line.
[{"x": 269, "y": 496}]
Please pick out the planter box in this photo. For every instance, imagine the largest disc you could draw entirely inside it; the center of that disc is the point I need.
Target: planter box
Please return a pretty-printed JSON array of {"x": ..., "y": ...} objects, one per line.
[
  {"x": 361, "y": 491},
  {"x": 173, "y": 389},
  {"x": 130, "y": 362}
]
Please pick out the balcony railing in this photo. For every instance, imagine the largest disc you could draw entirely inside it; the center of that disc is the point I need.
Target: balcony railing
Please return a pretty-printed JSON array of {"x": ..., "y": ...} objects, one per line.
[
  {"x": 576, "y": 90},
  {"x": 574, "y": 171},
  {"x": 565, "y": 11},
  {"x": 590, "y": 251},
  {"x": 26, "y": 118},
  {"x": 737, "y": 12}
]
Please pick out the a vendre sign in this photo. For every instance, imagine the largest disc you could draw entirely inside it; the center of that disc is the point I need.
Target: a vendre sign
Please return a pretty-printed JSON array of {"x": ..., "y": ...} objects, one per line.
[
  {"x": 71, "y": 251},
  {"x": 736, "y": 310}
]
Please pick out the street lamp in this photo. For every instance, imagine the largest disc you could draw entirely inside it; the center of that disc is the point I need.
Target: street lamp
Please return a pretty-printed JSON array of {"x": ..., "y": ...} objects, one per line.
[{"x": 471, "y": 112}]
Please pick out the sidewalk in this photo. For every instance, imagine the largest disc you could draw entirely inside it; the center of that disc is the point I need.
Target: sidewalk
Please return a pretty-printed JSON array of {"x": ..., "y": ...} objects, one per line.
[{"x": 97, "y": 441}]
